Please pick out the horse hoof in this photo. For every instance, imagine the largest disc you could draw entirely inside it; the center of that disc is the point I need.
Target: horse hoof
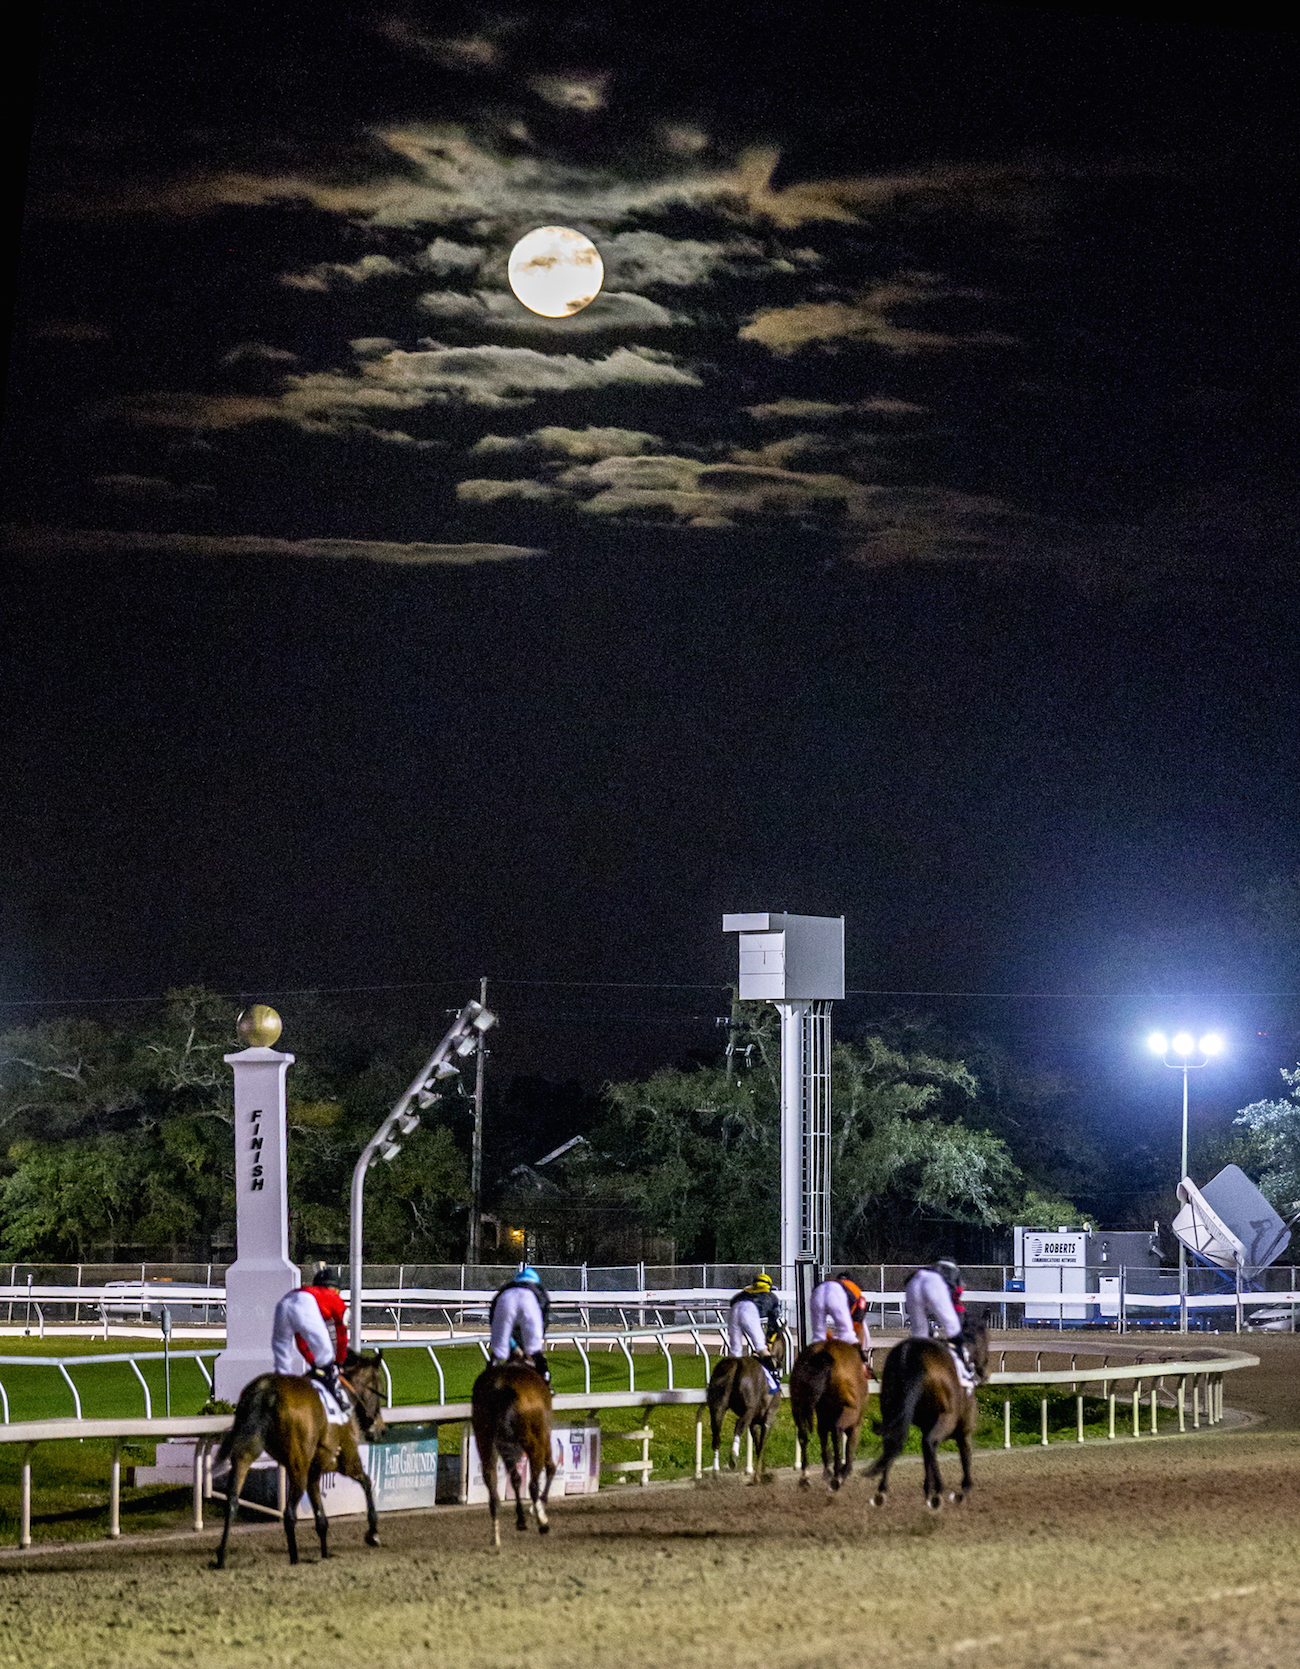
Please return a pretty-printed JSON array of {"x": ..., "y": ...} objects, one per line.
[
  {"x": 804, "y": 1483},
  {"x": 372, "y": 1539},
  {"x": 543, "y": 1529},
  {"x": 934, "y": 1503},
  {"x": 876, "y": 1501}
]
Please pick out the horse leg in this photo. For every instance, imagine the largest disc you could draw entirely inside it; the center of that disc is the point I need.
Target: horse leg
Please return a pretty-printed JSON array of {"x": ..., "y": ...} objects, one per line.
[
  {"x": 802, "y": 1435},
  {"x": 489, "y": 1458},
  {"x": 742, "y": 1426},
  {"x": 239, "y": 1466},
  {"x": 850, "y": 1448},
  {"x": 517, "y": 1484},
  {"x": 759, "y": 1428},
  {"x": 933, "y": 1484},
  {"x": 350, "y": 1466},
  {"x": 317, "y": 1505},
  {"x": 827, "y": 1435},
  {"x": 962, "y": 1435},
  {"x": 539, "y": 1501}
]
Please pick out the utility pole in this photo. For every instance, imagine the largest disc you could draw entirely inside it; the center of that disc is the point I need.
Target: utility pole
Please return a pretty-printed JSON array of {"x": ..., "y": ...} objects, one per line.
[{"x": 476, "y": 1162}]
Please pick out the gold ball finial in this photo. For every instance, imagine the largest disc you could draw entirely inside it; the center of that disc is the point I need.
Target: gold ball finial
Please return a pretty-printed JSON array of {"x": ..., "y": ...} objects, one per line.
[{"x": 259, "y": 1026}]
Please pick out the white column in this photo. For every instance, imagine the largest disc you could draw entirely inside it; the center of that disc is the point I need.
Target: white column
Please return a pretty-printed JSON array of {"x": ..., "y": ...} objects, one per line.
[
  {"x": 262, "y": 1272},
  {"x": 792, "y": 1132}
]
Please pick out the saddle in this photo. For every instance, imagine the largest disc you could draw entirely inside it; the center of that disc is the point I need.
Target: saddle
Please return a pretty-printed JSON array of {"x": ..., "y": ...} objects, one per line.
[{"x": 336, "y": 1414}]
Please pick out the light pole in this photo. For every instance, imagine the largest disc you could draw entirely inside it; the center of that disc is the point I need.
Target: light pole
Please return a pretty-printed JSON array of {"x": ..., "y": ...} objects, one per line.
[
  {"x": 1185, "y": 1047},
  {"x": 466, "y": 1031}
]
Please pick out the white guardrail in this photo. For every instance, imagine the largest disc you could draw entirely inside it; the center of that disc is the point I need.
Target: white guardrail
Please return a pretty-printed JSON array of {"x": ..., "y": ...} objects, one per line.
[
  {"x": 418, "y": 1307},
  {"x": 1204, "y": 1376}
]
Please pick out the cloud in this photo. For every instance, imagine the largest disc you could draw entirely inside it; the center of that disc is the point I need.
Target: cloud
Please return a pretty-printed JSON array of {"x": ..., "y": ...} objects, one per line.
[
  {"x": 70, "y": 330},
  {"x": 447, "y": 258},
  {"x": 495, "y": 310},
  {"x": 787, "y": 329},
  {"x": 142, "y": 487},
  {"x": 821, "y": 411},
  {"x": 572, "y": 92},
  {"x": 638, "y": 258},
  {"x": 780, "y": 454},
  {"x": 53, "y": 541},
  {"x": 323, "y": 276},
  {"x": 466, "y": 53},
  {"x": 398, "y": 382},
  {"x": 584, "y": 444},
  {"x": 258, "y": 351},
  {"x": 689, "y": 491},
  {"x": 367, "y": 347}
]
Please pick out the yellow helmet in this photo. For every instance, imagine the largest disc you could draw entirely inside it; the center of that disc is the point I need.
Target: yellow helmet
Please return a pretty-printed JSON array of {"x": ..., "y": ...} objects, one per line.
[{"x": 762, "y": 1283}]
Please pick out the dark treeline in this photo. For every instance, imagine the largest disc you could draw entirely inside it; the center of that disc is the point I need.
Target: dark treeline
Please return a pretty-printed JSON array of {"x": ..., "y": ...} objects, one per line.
[{"x": 115, "y": 1141}]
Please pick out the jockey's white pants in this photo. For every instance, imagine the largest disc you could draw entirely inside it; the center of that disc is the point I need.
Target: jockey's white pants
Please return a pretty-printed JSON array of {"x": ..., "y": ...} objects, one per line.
[
  {"x": 298, "y": 1312},
  {"x": 928, "y": 1299},
  {"x": 832, "y": 1316},
  {"x": 745, "y": 1328},
  {"x": 517, "y": 1308}
]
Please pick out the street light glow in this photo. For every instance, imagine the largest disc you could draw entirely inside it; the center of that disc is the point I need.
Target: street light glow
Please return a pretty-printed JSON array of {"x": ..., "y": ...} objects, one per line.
[
  {"x": 1158, "y": 1043},
  {"x": 1211, "y": 1044},
  {"x": 1184, "y": 1043}
]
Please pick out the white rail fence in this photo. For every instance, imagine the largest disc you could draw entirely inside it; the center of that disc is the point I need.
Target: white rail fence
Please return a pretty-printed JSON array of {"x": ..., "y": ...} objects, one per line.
[
  {"x": 1145, "y": 1382},
  {"x": 199, "y": 1311}
]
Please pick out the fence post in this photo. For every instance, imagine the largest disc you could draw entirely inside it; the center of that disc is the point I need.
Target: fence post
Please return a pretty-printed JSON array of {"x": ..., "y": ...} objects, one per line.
[
  {"x": 699, "y": 1441},
  {"x": 115, "y": 1491},
  {"x": 25, "y": 1507}
]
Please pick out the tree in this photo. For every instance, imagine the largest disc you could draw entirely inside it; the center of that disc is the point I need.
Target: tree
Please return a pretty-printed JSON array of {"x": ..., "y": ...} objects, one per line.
[
  {"x": 696, "y": 1153},
  {"x": 1275, "y": 1126}
]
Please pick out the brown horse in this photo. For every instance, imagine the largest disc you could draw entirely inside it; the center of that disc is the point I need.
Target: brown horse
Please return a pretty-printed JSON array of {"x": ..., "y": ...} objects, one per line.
[
  {"x": 828, "y": 1389},
  {"x": 281, "y": 1413},
  {"x": 920, "y": 1387},
  {"x": 511, "y": 1410},
  {"x": 739, "y": 1386}
]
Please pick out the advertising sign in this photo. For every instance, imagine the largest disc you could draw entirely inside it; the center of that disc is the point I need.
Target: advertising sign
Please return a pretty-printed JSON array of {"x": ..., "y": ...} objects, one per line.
[{"x": 576, "y": 1452}]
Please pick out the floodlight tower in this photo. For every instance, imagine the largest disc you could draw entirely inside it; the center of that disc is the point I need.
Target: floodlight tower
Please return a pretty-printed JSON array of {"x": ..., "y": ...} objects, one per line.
[{"x": 797, "y": 962}]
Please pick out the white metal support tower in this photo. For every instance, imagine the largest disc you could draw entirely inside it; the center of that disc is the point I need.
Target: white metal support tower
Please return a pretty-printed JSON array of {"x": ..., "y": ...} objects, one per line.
[{"x": 797, "y": 963}]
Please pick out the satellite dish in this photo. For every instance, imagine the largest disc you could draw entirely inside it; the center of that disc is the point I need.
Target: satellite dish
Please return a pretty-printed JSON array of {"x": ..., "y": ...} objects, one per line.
[{"x": 1229, "y": 1223}]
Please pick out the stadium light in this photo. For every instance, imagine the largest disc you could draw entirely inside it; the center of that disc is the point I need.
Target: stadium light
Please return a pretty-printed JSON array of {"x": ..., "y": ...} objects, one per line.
[
  {"x": 1185, "y": 1046},
  {"x": 462, "y": 1038}
]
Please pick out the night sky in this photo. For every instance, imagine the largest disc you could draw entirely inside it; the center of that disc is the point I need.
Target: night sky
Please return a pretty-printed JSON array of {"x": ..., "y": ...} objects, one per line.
[{"x": 907, "y": 532}]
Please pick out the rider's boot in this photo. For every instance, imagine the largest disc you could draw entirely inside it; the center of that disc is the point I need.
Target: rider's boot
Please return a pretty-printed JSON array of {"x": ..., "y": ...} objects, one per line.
[
  {"x": 538, "y": 1360},
  {"x": 768, "y": 1361},
  {"x": 334, "y": 1385}
]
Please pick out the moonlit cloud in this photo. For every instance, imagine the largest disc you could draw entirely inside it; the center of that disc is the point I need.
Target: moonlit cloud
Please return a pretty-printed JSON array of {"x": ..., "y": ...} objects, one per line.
[
  {"x": 498, "y": 311},
  {"x": 584, "y": 444},
  {"x": 325, "y": 275},
  {"x": 150, "y": 487},
  {"x": 819, "y": 411},
  {"x": 787, "y": 329},
  {"x": 572, "y": 92},
  {"x": 258, "y": 351},
  {"x": 52, "y": 541},
  {"x": 449, "y": 259}
]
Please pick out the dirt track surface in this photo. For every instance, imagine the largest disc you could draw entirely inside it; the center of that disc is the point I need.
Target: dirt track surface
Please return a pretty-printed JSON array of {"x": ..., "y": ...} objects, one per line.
[{"x": 1160, "y": 1552}]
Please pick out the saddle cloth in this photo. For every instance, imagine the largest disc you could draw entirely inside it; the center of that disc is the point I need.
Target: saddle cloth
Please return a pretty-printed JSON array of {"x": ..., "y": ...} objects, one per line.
[
  {"x": 335, "y": 1413},
  {"x": 967, "y": 1378}
]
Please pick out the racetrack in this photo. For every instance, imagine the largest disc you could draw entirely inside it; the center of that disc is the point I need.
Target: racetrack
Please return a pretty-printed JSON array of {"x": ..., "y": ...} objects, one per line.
[{"x": 1169, "y": 1551}]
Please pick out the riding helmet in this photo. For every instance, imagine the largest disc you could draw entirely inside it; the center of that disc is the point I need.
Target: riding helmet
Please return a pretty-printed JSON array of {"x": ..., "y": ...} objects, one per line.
[
  {"x": 762, "y": 1283},
  {"x": 950, "y": 1272},
  {"x": 528, "y": 1273},
  {"x": 326, "y": 1276}
]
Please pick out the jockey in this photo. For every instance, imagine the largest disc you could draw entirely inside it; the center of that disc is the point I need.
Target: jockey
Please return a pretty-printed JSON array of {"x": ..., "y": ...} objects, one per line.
[
  {"x": 839, "y": 1311},
  {"x": 518, "y": 1316},
  {"x": 755, "y": 1320},
  {"x": 309, "y": 1325},
  {"x": 933, "y": 1295}
]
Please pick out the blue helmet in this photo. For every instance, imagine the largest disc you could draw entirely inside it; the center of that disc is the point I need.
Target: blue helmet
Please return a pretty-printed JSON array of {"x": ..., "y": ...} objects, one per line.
[{"x": 528, "y": 1273}]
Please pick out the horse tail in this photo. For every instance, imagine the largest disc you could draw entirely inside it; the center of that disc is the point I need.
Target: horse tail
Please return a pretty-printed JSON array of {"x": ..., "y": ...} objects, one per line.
[{"x": 895, "y": 1430}]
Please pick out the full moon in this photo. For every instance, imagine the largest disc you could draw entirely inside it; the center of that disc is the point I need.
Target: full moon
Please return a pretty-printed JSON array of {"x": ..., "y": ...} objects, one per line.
[{"x": 555, "y": 271}]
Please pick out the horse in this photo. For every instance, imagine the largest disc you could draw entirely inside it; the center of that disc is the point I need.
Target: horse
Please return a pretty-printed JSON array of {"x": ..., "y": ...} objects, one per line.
[
  {"x": 920, "y": 1387},
  {"x": 828, "y": 1389},
  {"x": 510, "y": 1406},
  {"x": 738, "y": 1385},
  {"x": 281, "y": 1413}
]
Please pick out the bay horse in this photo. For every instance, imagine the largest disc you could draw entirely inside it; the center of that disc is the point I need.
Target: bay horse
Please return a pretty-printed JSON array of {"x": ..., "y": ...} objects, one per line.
[
  {"x": 282, "y": 1414},
  {"x": 828, "y": 1390},
  {"x": 738, "y": 1385},
  {"x": 510, "y": 1406},
  {"x": 920, "y": 1387}
]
